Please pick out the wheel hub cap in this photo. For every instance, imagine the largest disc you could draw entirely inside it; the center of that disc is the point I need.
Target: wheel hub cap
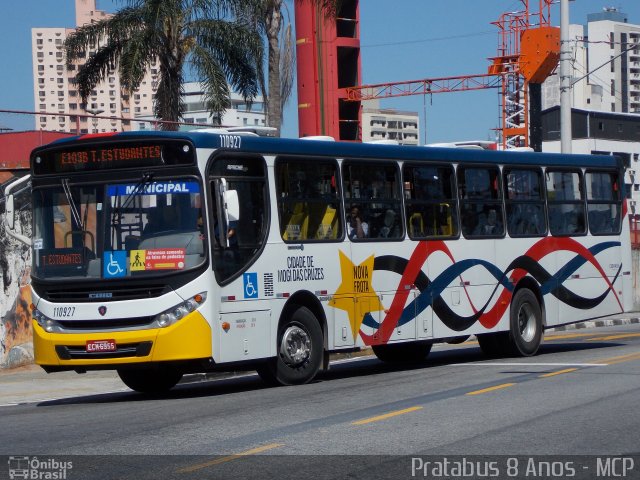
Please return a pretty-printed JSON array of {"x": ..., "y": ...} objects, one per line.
[
  {"x": 296, "y": 346},
  {"x": 527, "y": 322}
]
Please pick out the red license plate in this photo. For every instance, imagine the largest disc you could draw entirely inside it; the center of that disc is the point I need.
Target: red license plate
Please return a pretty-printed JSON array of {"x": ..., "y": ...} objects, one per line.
[{"x": 94, "y": 346}]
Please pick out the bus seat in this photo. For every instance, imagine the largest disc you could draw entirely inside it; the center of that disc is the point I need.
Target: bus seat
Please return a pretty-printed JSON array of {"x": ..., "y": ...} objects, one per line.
[
  {"x": 445, "y": 228},
  {"x": 416, "y": 225},
  {"x": 328, "y": 227},
  {"x": 298, "y": 224}
]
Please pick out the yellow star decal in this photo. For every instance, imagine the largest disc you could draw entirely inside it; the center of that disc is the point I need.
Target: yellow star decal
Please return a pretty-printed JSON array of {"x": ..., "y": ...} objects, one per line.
[{"x": 355, "y": 294}]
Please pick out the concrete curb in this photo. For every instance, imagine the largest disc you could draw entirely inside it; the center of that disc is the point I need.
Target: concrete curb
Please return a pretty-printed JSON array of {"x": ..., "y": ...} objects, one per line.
[{"x": 608, "y": 322}]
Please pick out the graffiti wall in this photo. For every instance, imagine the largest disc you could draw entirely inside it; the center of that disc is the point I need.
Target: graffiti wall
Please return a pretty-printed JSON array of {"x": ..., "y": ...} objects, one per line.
[{"x": 16, "y": 347}]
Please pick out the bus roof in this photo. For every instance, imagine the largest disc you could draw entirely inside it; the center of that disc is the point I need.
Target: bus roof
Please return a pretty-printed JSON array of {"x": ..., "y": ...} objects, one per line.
[{"x": 353, "y": 150}]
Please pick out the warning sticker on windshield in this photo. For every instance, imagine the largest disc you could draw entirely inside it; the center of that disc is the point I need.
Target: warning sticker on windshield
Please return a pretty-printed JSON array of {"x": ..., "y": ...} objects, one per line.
[{"x": 157, "y": 259}]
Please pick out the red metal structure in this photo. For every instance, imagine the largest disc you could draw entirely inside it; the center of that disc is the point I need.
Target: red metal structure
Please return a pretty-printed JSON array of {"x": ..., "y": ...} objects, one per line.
[
  {"x": 328, "y": 61},
  {"x": 15, "y": 147},
  {"x": 528, "y": 51}
]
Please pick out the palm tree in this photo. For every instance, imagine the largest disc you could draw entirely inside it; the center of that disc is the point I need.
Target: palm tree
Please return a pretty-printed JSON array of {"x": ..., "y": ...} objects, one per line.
[
  {"x": 176, "y": 33},
  {"x": 268, "y": 17}
]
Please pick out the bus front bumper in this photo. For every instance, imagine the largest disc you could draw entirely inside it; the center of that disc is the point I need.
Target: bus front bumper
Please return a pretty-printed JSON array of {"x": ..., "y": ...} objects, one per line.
[{"x": 187, "y": 339}]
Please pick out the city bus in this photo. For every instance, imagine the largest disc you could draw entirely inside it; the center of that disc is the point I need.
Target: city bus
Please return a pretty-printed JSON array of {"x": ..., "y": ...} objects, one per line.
[{"x": 159, "y": 254}]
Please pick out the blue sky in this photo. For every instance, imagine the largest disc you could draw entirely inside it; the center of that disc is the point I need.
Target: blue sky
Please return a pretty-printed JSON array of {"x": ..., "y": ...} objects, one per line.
[{"x": 400, "y": 40}]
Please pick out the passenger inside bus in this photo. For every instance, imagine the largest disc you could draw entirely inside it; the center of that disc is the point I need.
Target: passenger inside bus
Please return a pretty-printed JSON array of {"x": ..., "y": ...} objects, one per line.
[
  {"x": 416, "y": 225},
  {"x": 356, "y": 226},
  {"x": 390, "y": 227},
  {"x": 489, "y": 224}
]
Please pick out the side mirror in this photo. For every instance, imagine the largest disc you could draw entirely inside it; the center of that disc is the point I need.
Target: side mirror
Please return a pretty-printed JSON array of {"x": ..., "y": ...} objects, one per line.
[
  {"x": 10, "y": 208},
  {"x": 231, "y": 205},
  {"x": 10, "y": 212}
]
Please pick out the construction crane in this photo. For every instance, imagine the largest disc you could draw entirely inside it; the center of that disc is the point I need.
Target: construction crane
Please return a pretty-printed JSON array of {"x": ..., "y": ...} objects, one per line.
[{"x": 528, "y": 52}]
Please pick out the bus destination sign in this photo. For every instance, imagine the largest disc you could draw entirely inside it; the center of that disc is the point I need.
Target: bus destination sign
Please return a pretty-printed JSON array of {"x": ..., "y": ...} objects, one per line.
[
  {"x": 110, "y": 155},
  {"x": 105, "y": 157}
]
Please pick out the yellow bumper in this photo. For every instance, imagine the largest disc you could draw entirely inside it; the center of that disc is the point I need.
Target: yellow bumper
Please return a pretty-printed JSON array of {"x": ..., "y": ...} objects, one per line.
[{"x": 187, "y": 339}]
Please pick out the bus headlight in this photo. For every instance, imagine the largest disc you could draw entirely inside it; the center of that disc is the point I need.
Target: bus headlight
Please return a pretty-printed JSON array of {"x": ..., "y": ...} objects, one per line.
[
  {"x": 172, "y": 315},
  {"x": 48, "y": 325}
]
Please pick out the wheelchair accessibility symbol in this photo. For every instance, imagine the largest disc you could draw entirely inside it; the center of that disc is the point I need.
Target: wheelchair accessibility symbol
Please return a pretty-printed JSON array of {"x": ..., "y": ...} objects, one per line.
[
  {"x": 114, "y": 264},
  {"x": 250, "y": 282}
]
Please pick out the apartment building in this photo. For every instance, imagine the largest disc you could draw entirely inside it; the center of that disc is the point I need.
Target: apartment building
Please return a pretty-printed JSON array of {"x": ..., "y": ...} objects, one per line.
[
  {"x": 56, "y": 91},
  {"x": 605, "y": 93},
  {"x": 605, "y": 65},
  {"x": 389, "y": 124}
]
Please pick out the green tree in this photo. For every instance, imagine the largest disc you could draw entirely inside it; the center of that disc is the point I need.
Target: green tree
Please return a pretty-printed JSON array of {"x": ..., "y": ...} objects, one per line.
[
  {"x": 219, "y": 52},
  {"x": 272, "y": 20}
]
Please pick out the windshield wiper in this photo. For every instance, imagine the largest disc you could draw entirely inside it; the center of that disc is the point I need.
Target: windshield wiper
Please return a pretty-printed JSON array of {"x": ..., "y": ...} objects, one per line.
[
  {"x": 138, "y": 187},
  {"x": 80, "y": 223},
  {"x": 72, "y": 204}
]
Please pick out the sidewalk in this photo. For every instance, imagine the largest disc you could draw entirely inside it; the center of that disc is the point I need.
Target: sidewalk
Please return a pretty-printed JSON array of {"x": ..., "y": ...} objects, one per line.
[{"x": 31, "y": 384}]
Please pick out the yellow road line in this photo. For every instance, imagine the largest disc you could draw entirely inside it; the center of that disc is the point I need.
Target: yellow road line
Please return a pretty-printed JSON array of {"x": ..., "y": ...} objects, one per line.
[
  {"x": 229, "y": 458},
  {"x": 559, "y": 372},
  {"x": 570, "y": 335},
  {"x": 491, "y": 389},
  {"x": 614, "y": 337},
  {"x": 386, "y": 415},
  {"x": 621, "y": 359}
]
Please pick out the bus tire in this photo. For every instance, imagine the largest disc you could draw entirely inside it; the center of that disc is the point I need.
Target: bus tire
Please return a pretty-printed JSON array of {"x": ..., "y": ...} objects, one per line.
[
  {"x": 299, "y": 349},
  {"x": 494, "y": 345},
  {"x": 150, "y": 379},
  {"x": 525, "y": 333},
  {"x": 406, "y": 352}
]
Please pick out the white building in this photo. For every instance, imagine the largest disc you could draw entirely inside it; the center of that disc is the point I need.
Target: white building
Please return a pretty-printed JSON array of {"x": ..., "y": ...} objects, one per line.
[
  {"x": 240, "y": 114},
  {"x": 605, "y": 65},
  {"x": 389, "y": 124},
  {"x": 56, "y": 91},
  {"x": 604, "y": 133},
  {"x": 605, "y": 96}
]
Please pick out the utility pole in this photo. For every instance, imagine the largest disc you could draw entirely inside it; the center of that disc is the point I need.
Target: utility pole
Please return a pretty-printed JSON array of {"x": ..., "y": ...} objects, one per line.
[{"x": 565, "y": 79}]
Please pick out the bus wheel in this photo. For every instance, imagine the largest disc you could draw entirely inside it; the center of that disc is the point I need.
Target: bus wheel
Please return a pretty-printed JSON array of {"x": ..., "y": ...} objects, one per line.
[
  {"x": 150, "y": 379},
  {"x": 408, "y": 352},
  {"x": 300, "y": 350},
  {"x": 526, "y": 323}
]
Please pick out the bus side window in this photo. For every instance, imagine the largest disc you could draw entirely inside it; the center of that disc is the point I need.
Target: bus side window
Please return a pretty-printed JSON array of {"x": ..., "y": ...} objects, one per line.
[
  {"x": 373, "y": 191},
  {"x": 481, "y": 202},
  {"x": 525, "y": 202},
  {"x": 430, "y": 197},
  {"x": 604, "y": 202},
  {"x": 308, "y": 199},
  {"x": 565, "y": 200}
]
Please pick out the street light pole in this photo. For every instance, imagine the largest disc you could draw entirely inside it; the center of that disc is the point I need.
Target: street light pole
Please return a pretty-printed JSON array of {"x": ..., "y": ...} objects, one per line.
[
  {"x": 94, "y": 120},
  {"x": 565, "y": 79}
]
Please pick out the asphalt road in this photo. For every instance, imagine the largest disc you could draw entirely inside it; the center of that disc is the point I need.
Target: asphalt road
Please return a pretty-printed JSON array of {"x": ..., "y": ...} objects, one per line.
[{"x": 362, "y": 419}]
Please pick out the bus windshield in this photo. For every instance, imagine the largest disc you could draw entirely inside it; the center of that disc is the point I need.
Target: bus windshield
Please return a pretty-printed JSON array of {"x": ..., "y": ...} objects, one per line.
[{"x": 117, "y": 230}]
